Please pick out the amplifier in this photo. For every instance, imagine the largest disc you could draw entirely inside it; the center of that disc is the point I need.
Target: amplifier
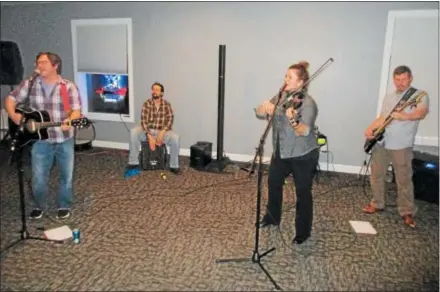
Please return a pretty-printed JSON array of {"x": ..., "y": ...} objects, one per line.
[
  {"x": 153, "y": 160},
  {"x": 200, "y": 155},
  {"x": 425, "y": 176}
]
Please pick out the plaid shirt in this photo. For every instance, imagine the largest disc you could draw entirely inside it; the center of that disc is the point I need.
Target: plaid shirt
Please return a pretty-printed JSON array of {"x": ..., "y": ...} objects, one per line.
[
  {"x": 157, "y": 118},
  {"x": 50, "y": 102}
]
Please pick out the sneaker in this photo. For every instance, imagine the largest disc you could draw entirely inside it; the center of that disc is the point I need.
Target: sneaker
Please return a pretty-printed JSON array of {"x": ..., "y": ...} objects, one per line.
[
  {"x": 63, "y": 213},
  {"x": 36, "y": 214},
  {"x": 132, "y": 171}
]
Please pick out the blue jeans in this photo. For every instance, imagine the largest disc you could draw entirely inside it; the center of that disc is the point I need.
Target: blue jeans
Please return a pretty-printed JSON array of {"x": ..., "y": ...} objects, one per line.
[
  {"x": 43, "y": 155},
  {"x": 170, "y": 139}
]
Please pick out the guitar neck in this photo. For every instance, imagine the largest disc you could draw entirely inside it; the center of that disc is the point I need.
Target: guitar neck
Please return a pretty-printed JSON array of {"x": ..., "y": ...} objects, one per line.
[
  {"x": 386, "y": 123},
  {"x": 389, "y": 119},
  {"x": 49, "y": 124}
]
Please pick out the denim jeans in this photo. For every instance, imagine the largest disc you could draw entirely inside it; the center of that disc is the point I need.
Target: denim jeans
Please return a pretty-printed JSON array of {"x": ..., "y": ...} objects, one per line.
[
  {"x": 170, "y": 139},
  {"x": 43, "y": 155}
]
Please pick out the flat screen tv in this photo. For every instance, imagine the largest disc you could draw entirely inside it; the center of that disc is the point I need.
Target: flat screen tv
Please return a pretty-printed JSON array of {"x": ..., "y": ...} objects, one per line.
[{"x": 107, "y": 93}]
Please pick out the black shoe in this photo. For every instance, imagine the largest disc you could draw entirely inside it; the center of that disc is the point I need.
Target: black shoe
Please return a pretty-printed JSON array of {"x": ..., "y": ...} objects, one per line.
[
  {"x": 63, "y": 213},
  {"x": 36, "y": 214},
  {"x": 175, "y": 170},
  {"x": 299, "y": 239},
  {"x": 267, "y": 222}
]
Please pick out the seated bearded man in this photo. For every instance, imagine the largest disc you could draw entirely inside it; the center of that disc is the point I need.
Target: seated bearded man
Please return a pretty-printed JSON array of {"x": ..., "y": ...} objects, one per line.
[{"x": 156, "y": 124}]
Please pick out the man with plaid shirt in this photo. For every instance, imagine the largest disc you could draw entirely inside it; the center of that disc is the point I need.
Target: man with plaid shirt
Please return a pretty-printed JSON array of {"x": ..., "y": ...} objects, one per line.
[
  {"x": 45, "y": 95},
  {"x": 156, "y": 125}
]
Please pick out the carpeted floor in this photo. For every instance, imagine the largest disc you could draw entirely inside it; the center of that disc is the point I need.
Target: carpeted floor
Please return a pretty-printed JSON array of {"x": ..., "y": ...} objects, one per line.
[{"x": 153, "y": 234}]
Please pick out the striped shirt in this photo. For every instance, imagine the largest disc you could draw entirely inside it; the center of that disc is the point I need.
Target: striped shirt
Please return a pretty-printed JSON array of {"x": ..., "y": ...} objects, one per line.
[
  {"x": 51, "y": 102},
  {"x": 158, "y": 118}
]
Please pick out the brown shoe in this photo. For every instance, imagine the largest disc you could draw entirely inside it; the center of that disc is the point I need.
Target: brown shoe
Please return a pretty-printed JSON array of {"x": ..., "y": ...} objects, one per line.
[
  {"x": 370, "y": 209},
  {"x": 409, "y": 221}
]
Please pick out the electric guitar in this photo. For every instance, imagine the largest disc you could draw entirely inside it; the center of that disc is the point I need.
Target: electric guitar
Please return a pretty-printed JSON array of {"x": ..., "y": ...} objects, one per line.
[
  {"x": 35, "y": 124},
  {"x": 379, "y": 132}
]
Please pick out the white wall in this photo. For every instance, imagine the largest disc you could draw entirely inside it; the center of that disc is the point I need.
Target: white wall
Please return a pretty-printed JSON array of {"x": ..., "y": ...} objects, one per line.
[{"x": 176, "y": 43}]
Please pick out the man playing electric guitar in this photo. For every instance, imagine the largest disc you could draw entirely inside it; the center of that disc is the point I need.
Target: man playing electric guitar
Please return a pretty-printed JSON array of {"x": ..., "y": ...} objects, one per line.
[
  {"x": 397, "y": 145},
  {"x": 48, "y": 91}
]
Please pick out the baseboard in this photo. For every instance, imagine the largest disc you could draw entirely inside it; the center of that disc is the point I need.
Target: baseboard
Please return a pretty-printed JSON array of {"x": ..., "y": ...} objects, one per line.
[
  {"x": 240, "y": 157},
  {"x": 426, "y": 141},
  {"x": 109, "y": 144}
]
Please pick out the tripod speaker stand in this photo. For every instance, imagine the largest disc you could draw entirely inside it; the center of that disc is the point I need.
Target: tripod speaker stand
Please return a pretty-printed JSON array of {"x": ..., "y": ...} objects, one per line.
[{"x": 17, "y": 157}]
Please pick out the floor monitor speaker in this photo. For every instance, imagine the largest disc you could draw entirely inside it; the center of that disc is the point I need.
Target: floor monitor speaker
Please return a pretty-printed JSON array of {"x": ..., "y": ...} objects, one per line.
[
  {"x": 426, "y": 176},
  {"x": 200, "y": 155}
]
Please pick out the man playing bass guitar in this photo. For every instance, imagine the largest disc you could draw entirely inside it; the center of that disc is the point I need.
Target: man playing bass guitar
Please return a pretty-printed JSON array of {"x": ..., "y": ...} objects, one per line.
[
  {"x": 397, "y": 144},
  {"x": 60, "y": 98}
]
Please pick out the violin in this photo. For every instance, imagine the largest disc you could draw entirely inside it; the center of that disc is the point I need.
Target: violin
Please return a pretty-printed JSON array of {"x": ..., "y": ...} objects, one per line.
[{"x": 291, "y": 99}]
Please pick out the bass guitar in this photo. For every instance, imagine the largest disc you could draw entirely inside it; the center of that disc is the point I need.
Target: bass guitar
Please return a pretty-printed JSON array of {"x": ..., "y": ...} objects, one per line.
[
  {"x": 35, "y": 124},
  {"x": 379, "y": 132}
]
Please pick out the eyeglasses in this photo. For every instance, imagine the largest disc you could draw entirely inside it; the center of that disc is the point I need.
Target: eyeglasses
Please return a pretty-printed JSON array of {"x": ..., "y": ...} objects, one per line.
[{"x": 42, "y": 62}]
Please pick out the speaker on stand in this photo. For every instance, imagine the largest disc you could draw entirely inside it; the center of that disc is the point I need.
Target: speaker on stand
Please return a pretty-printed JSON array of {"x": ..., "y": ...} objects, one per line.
[
  {"x": 221, "y": 162},
  {"x": 11, "y": 74}
]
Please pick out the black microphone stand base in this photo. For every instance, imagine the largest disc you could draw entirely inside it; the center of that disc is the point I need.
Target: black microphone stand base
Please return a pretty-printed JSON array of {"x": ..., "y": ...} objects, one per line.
[
  {"x": 25, "y": 236},
  {"x": 256, "y": 256},
  {"x": 17, "y": 156},
  {"x": 256, "y": 259}
]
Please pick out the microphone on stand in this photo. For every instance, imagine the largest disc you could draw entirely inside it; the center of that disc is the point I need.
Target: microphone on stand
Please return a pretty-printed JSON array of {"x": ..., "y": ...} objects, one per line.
[
  {"x": 34, "y": 75},
  {"x": 283, "y": 87},
  {"x": 280, "y": 93}
]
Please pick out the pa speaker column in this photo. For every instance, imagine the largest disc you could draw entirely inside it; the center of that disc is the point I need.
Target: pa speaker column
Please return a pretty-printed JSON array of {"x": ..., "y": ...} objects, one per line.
[{"x": 221, "y": 101}]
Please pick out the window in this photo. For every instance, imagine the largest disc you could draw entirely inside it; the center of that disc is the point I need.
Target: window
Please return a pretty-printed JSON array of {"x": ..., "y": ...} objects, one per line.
[{"x": 103, "y": 67}]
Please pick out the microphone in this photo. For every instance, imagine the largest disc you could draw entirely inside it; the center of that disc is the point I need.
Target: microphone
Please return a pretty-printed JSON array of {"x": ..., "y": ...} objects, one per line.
[
  {"x": 283, "y": 87},
  {"x": 34, "y": 75}
]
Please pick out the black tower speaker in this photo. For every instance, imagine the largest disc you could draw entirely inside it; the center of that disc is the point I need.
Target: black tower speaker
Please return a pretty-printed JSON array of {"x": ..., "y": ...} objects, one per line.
[
  {"x": 11, "y": 64},
  {"x": 425, "y": 177},
  {"x": 200, "y": 155},
  {"x": 221, "y": 162}
]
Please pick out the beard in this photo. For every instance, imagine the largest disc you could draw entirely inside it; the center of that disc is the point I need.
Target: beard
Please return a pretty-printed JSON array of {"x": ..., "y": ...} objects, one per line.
[{"x": 155, "y": 96}]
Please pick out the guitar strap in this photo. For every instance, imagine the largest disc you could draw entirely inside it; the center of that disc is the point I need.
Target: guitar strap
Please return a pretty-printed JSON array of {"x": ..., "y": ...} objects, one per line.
[
  {"x": 66, "y": 103},
  {"x": 405, "y": 98}
]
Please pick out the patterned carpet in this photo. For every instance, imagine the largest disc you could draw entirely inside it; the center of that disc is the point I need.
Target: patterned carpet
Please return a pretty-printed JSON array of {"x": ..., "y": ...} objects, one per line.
[{"x": 150, "y": 234}]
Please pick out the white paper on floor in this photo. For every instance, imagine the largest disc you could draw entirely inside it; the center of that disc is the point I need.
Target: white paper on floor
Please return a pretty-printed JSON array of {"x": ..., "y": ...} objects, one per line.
[
  {"x": 59, "y": 233},
  {"x": 363, "y": 227}
]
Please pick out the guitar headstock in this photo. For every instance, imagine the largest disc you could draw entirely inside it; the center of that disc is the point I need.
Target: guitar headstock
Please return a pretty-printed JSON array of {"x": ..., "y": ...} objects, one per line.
[
  {"x": 419, "y": 97},
  {"x": 80, "y": 123},
  {"x": 410, "y": 103}
]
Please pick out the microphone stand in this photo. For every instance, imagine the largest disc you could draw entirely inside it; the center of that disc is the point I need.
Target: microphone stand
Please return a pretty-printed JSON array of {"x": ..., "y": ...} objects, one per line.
[
  {"x": 17, "y": 156},
  {"x": 256, "y": 256}
]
